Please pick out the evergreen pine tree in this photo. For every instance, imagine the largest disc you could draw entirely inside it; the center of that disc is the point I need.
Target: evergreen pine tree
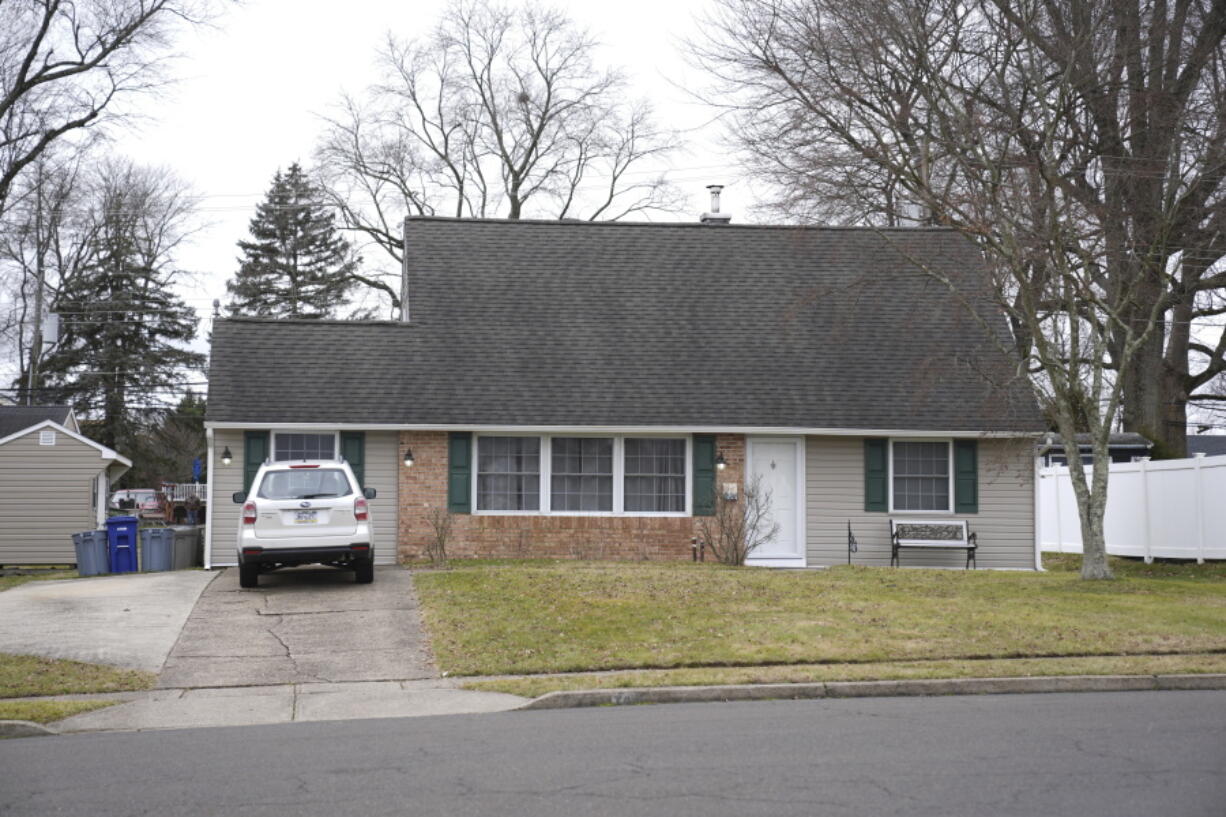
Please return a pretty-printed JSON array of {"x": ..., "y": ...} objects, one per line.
[
  {"x": 123, "y": 329},
  {"x": 295, "y": 264}
]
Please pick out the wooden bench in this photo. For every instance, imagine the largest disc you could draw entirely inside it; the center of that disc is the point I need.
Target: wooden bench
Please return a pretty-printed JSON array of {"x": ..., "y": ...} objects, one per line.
[{"x": 948, "y": 534}]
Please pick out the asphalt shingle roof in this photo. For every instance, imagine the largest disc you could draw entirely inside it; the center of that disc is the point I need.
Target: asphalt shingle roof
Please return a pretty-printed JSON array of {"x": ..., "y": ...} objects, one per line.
[
  {"x": 592, "y": 324},
  {"x": 19, "y": 418}
]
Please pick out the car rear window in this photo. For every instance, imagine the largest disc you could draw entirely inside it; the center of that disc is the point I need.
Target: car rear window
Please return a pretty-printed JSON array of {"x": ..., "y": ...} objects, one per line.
[{"x": 311, "y": 483}]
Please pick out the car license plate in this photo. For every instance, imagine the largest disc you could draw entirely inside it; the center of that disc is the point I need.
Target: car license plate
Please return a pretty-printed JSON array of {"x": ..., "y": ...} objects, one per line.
[{"x": 305, "y": 518}]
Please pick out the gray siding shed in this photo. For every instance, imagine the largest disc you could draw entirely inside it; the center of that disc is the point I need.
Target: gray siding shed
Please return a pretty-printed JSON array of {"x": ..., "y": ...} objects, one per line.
[{"x": 48, "y": 493}]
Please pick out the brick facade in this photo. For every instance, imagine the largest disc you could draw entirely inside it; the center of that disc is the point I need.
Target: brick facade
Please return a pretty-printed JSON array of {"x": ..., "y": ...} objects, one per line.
[{"x": 423, "y": 488}]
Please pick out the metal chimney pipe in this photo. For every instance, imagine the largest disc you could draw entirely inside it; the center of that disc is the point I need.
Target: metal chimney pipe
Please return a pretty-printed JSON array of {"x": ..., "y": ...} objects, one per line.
[{"x": 714, "y": 216}]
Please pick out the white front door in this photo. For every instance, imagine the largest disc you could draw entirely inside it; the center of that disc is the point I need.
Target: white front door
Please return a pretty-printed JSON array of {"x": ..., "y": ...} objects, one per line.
[{"x": 776, "y": 464}]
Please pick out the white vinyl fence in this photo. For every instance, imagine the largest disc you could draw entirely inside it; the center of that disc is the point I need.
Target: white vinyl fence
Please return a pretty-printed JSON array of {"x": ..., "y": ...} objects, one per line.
[{"x": 1172, "y": 509}]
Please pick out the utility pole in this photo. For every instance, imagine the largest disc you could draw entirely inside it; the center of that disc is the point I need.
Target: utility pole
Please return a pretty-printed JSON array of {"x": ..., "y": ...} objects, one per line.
[{"x": 36, "y": 350}]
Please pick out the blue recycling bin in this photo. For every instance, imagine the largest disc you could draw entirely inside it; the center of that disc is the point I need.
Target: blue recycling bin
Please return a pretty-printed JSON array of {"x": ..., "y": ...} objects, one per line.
[{"x": 121, "y": 543}]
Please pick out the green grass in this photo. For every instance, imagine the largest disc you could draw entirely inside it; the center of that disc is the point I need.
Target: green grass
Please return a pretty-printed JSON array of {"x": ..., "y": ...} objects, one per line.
[
  {"x": 23, "y": 676},
  {"x": 532, "y": 686},
  {"x": 47, "y": 711},
  {"x": 500, "y": 617},
  {"x": 12, "y": 580}
]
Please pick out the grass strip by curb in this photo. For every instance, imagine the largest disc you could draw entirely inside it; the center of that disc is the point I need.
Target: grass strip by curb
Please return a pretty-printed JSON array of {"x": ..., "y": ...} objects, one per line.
[
  {"x": 24, "y": 676},
  {"x": 48, "y": 711},
  {"x": 1028, "y": 685},
  {"x": 534, "y": 686},
  {"x": 15, "y": 579}
]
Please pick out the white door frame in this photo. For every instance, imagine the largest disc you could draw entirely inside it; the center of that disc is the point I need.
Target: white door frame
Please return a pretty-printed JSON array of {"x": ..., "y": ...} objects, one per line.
[{"x": 801, "y": 499}]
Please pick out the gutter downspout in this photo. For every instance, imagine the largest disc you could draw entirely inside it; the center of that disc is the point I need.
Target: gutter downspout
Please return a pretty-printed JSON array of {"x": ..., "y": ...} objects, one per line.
[{"x": 209, "y": 508}]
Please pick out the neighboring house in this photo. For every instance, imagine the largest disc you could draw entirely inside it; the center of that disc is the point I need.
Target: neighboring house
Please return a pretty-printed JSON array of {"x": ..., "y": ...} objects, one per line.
[
  {"x": 568, "y": 389},
  {"x": 1211, "y": 445},
  {"x": 54, "y": 482},
  {"x": 18, "y": 418},
  {"x": 1124, "y": 446}
]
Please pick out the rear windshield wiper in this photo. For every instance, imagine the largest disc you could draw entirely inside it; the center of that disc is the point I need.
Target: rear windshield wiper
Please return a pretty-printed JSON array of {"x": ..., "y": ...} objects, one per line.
[{"x": 316, "y": 496}]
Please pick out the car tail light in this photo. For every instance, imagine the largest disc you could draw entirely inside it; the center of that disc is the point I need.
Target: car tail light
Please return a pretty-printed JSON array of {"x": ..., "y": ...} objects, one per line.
[
  {"x": 359, "y": 509},
  {"x": 305, "y": 466},
  {"x": 249, "y": 513}
]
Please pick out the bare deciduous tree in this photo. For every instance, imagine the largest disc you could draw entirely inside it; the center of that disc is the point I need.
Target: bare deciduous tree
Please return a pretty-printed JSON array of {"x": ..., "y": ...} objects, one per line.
[
  {"x": 1082, "y": 144},
  {"x": 740, "y": 525},
  {"x": 501, "y": 111},
  {"x": 66, "y": 67}
]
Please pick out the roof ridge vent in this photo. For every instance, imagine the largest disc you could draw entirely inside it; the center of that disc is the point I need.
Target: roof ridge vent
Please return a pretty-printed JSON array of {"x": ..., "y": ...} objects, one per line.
[{"x": 714, "y": 216}]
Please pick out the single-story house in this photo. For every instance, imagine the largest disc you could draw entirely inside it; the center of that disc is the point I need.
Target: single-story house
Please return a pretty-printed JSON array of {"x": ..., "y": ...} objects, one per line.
[
  {"x": 1211, "y": 445},
  {"x": 54, "y": 482},
  {"x": 1122, "y": 446},
  {"x": 579, "y": 389}
]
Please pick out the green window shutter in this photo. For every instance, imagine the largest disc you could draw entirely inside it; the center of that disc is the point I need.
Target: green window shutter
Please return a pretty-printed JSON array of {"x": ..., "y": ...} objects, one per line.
[
  {"x": 704, "y": 475},
  {"x": 876, "y": 474},
  {"x": 353, "y": 449},
  {"x": 255, "y": 451},
  {"x": 966, "y": 476},
  {"x": 459, "y": 472}
]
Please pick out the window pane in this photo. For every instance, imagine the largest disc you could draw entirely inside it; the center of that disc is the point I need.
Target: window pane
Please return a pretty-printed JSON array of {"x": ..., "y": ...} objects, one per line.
[
  {"x": 508, "y": 473},
  {"x": 655, "y": 475},
  {"x": 582, "y": 474},
  {"x": 304, "y": 447},
  {"x": 921, "y": 476}
]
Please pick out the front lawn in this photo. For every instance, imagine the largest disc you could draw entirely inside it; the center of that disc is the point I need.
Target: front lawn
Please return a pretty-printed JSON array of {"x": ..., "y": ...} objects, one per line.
[
  {"x": 499, "y": 617},
  {"x": 47, "y": 711},
  {"x": 23, "y": 676}
]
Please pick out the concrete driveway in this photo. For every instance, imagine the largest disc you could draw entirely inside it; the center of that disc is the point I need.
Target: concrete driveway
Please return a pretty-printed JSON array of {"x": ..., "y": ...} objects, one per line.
[
  {"x": 128, "y": 621},
  {"x": 301, "y": 626}
]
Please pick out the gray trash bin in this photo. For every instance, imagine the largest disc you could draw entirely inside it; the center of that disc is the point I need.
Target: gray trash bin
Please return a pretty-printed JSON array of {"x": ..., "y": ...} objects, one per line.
[
  {"x": 157, "y": 549},
  {"x": 91, "y": 547},
  {"x": 187, "y": 546}
]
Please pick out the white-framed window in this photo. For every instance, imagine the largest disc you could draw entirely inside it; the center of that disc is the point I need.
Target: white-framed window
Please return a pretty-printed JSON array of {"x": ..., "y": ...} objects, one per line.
[
  {"x": 508, "y": 473},
  {"x": 297, "y": 445},
  {"x": 655, "y": 474},
  {"x": 921, "y": 475},
  {"x": 575, "y": 474},
  {"x": 581, "y": 474}
]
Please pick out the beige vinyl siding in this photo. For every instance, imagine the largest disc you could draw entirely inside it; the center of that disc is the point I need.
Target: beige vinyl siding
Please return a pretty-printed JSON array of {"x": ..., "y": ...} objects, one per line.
[
  {"x": 382, "y": 462},
  {"x": 835, "y": 496},
  {"x": 46, "y": 495},
  {"x": 225, "y": 480},
  {"x": 382, "y": 458}
]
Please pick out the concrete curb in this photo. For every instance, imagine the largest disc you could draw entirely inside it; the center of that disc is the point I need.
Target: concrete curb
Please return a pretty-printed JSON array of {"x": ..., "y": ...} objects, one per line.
[
  {"x": 873, "y": 689},
  {"x": 24, "y": 729}
]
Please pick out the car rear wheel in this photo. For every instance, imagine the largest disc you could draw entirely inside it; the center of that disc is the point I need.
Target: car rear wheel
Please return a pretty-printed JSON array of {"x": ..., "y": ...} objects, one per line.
[
  {"x": 248, "y": 575},
  {"x": 364, "y": 571}
]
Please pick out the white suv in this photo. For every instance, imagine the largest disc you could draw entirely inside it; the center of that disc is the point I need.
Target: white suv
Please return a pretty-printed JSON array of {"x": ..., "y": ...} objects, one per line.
[{"x": 304, "y": 512}]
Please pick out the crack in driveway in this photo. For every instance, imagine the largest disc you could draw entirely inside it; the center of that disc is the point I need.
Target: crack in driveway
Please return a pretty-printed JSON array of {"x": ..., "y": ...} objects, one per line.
[{"x": 316, "y": 642}]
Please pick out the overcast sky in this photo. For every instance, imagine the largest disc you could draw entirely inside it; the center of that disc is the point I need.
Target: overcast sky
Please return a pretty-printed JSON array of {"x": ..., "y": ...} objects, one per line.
[{"x": 252, "y": 90}]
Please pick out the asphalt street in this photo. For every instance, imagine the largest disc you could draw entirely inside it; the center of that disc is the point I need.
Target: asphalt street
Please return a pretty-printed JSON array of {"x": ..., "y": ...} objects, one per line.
[{"x": 1109, "y": 754}]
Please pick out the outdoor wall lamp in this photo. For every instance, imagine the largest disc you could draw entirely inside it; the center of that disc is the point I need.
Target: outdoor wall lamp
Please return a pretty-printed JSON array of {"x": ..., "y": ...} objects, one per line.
[
  {"x": 720, "y": 462},
  {"x": 226, "y": 458},
  {"x": 408, "y": 457}
]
